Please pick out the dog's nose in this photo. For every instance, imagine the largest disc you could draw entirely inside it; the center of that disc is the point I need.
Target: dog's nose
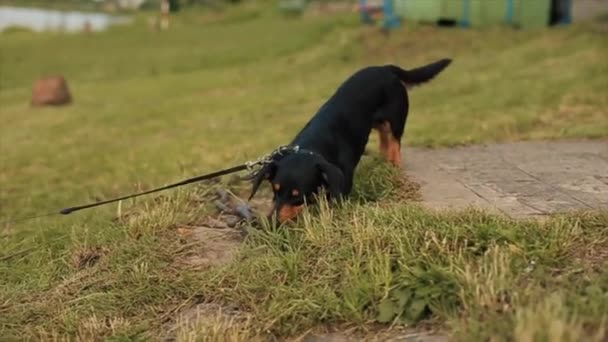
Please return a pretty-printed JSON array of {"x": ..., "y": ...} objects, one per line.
[
  {"x": 289, "y": 212},
  {"x": 284, "y": 212}
]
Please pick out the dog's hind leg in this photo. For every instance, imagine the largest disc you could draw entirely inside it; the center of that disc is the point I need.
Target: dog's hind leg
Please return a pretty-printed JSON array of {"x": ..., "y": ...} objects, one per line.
[
  {"x": 390, "y": 147},
  {"x": 390, "y": 124},
  {"x": 388, "y": 144}
]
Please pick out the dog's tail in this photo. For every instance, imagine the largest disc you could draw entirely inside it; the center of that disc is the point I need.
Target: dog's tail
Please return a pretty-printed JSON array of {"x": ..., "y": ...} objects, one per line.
[{"x": 420, "y": 75}]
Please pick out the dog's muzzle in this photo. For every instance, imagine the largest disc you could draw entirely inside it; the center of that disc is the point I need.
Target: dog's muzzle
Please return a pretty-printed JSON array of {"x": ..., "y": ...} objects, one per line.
[{"x": 286, "y": 212}]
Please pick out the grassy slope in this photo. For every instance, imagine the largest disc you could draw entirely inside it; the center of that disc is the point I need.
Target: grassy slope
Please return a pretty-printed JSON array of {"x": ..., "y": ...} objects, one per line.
[{"x": 153, "y": 107}]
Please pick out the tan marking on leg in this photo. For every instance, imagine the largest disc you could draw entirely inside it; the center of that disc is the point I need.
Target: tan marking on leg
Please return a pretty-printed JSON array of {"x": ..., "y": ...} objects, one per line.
[
  {"x": 390, "y": 148},
  {"x": 384, "y": 133},
  {"x": 395, "y": 152}
]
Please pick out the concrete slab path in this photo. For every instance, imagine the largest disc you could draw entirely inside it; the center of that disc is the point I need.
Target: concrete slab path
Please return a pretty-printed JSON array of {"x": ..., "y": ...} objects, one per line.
[{"x": 523, "y": 179}]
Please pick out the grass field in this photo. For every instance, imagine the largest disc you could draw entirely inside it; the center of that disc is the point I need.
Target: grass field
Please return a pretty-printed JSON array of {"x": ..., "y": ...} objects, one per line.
[{"x": 221, "y": 88}]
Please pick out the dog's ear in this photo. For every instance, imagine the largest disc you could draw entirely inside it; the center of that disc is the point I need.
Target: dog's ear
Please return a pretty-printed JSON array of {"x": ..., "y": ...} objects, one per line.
[
  {"x": 333, "y": 177},
  {"x": 265, "y": 173}
]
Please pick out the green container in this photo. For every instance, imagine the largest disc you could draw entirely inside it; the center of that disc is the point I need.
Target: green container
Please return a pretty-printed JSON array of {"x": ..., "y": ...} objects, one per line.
[
  {"x": 531, "y": 14},
  {"x": 477, "y": 13},
  {"x": 419, "y": 10},
  {"x": 527, "y": 14},
  {"x": 488, "y": 13},
  {"x": 292, "y": 6},
  {"x": 454, "y": 10}
]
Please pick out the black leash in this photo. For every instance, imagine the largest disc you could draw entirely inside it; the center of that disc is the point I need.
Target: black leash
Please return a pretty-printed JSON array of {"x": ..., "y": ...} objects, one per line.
[
  {"x": 234, "y": 169},
  {"x": 247, "y": 166}
]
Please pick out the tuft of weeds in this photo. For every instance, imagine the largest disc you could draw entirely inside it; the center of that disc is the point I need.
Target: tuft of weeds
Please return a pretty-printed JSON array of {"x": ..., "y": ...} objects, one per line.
[
  {"x": 376, "y": 180},
  {"x": 551, "y": 319},
  {"x": 86, "y": 256},
  {"x": 210, "y": 323}
]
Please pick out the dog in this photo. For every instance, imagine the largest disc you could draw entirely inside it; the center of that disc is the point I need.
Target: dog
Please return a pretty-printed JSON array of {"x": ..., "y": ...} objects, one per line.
[{"x": 331, "y": 144}]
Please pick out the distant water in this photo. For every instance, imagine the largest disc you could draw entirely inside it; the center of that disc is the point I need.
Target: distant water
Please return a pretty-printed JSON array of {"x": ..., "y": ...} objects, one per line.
[{"x": 51, "y": 20}]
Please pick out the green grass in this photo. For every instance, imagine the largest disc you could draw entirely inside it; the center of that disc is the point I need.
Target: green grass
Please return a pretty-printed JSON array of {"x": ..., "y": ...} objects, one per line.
[{"x": 221, "y": 88}]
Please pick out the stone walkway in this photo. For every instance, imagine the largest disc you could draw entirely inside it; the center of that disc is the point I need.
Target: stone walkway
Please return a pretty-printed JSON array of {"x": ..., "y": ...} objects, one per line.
[{"x": 523, "y": 179}]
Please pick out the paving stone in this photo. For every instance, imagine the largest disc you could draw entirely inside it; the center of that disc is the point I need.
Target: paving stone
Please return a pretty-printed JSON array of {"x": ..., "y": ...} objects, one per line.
[{"x": 518, "y": 179}]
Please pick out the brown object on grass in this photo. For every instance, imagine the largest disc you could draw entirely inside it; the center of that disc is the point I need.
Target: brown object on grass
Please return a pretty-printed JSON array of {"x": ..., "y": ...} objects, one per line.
[{"x": 51, "y": 91}]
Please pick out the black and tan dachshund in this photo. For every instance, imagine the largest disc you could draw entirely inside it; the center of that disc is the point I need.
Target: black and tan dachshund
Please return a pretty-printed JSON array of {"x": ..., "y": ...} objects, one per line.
[{"x": 333, "y": 141}]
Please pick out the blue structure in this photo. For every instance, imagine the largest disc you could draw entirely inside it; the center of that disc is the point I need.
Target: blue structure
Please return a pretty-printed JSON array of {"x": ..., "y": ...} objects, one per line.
[
  {"x": 466, "y": 13},
  {"x": 391, "y": 20},
  {"x": 510, "y": 11},
  {"x": 365, "y": 17}
]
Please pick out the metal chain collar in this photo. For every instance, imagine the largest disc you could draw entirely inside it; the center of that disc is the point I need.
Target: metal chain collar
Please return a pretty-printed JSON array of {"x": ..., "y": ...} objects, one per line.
[{"x": 268, "y": 158}]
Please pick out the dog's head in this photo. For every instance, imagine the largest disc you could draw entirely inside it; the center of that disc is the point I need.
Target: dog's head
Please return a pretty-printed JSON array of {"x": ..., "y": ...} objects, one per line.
[{"x": 296, "y": 179}]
